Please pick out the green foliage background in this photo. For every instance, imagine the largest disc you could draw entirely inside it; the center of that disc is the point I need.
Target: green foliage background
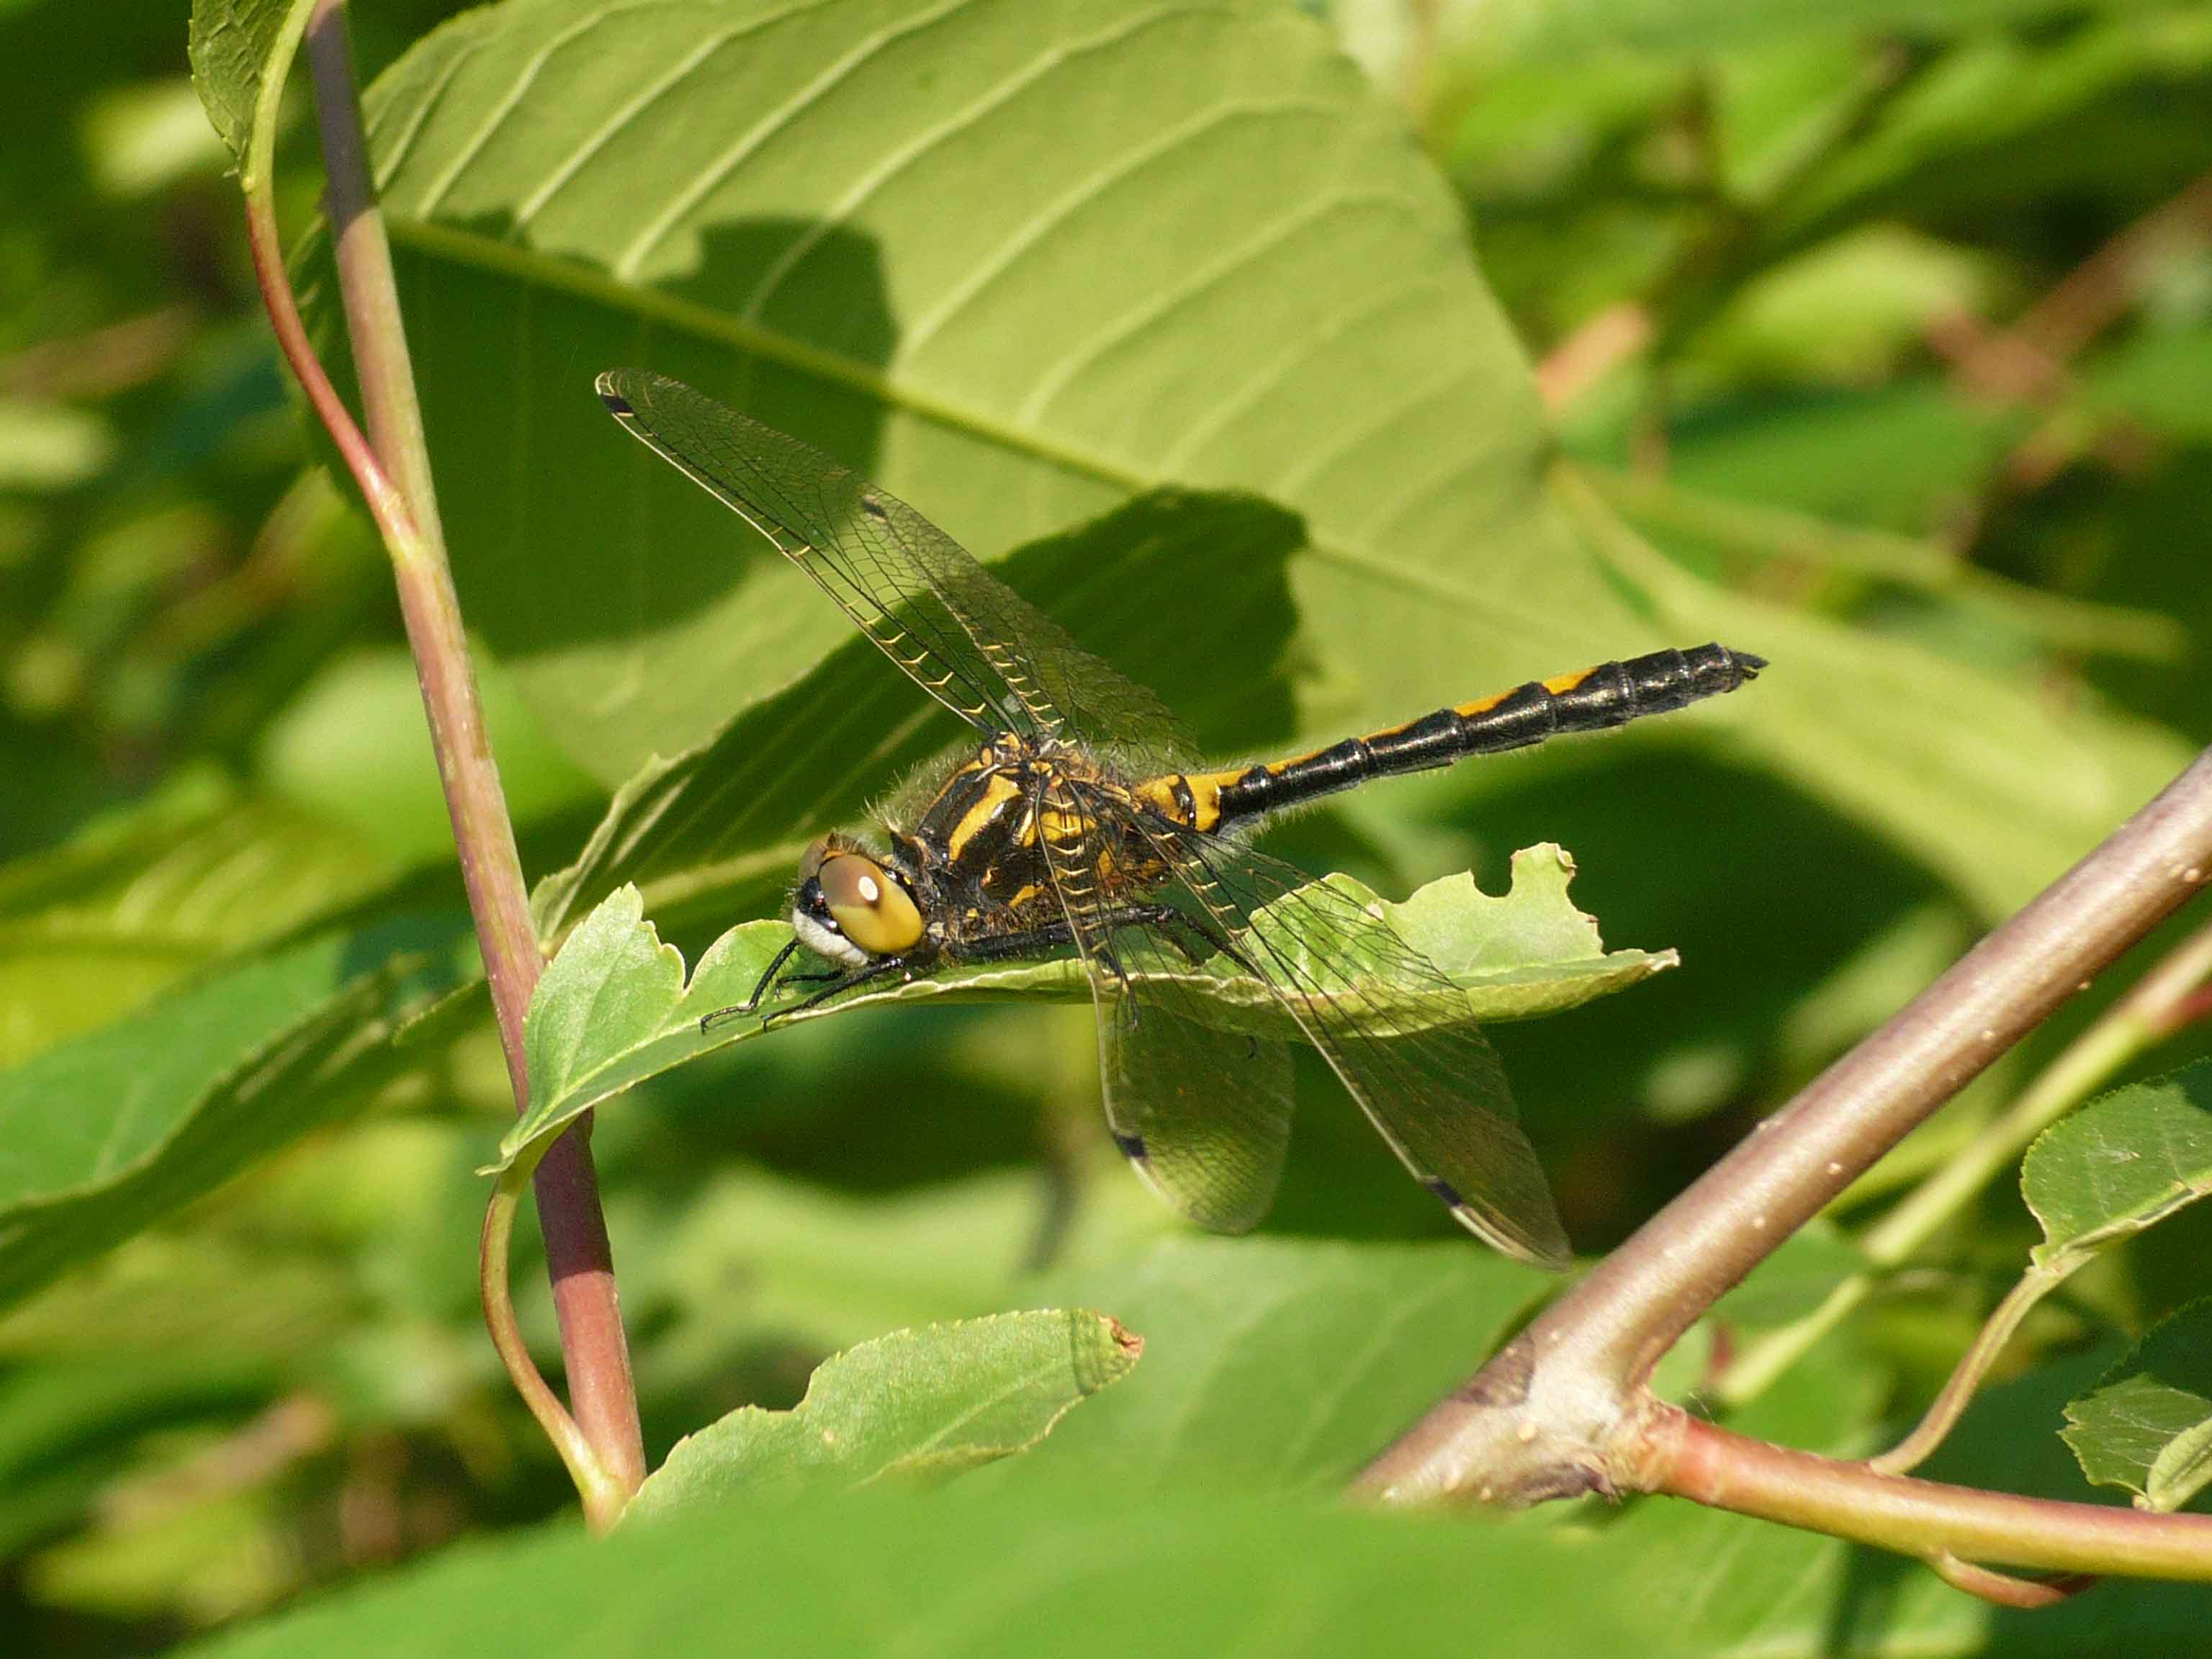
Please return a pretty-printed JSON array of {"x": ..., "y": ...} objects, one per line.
[{"x": 1224, "y": 315}]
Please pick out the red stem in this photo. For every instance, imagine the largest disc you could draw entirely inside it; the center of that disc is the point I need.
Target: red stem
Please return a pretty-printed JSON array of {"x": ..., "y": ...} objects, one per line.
[
  {"x": 579, "y": 1258},
  {"x": 1697, "y": 1460}
]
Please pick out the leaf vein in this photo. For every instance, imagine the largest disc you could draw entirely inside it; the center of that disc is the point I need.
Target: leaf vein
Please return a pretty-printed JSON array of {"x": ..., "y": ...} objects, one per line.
[{"x": 627, "y": 263}]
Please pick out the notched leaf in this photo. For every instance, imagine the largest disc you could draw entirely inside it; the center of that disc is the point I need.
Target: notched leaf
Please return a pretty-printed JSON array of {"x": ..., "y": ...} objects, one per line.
[
  {"x": 231, "y": 45},
  {"x": 2124, "y": 1163},
  {"x": 2147, "y": 1426},
  {"x": 926, "y": 1402},
  {"x": 614, "y": 1009}
]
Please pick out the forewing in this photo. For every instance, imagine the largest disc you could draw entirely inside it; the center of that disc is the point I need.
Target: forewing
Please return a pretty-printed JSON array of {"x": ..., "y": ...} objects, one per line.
[
  {"x": 1203, "y": 1113},
  {"x": 1436, "y": 1092},
  {"x": 958, "y": 631}
]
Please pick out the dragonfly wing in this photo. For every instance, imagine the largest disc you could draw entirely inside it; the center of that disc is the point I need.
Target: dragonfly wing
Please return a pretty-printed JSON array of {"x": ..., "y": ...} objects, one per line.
[
  {"x": 1203, "y": 1113},
  {"x": 1388, "y": 1022},
  {"x": 958, "y": 631}
]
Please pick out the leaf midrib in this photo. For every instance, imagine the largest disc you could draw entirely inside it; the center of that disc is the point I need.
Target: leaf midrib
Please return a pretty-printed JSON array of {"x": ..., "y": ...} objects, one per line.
[{"x": 554, "y": 271}]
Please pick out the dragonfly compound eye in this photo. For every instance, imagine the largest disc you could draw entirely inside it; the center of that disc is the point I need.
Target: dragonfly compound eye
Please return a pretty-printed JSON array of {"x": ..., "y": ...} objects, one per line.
[{"x": 871, "y": 907}]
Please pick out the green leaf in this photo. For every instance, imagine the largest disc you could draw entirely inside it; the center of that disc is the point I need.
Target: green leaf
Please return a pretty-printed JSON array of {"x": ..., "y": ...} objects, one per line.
[
  {"x": 701, "y": 824},
  {"x": 1016, "y": 264},
  {"x": 353, "y": 746},
  {"x": 117, "y": 1127},
  {"x": 1278, "y": 1364},
  {"x": 2124, "y": 1163},
  {"x": 764, "y": 1261},
  {"x": 1570, "y": 30},
  {"x": 1100, "y": 1556},
  {"x": 1093, "y": 1571},
  {"x": 234, "y": 44},
  {"x": 137, "y": 901},
  {"x": 614, "y": 1007},
  {"x": 51, "y": 447},
  {"x": 68, "y": 1429},
  {"x": 932, "y": 1401},
  {"x": 2147, "y": 1426},
  {"x": 1997, "y": 797},
  {"x": 1793, "y": 1281},
  {"x": 2158, "y": 376}
]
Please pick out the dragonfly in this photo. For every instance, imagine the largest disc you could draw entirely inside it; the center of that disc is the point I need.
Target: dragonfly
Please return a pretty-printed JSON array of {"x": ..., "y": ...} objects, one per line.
[{"x": 1073, "y": 816}]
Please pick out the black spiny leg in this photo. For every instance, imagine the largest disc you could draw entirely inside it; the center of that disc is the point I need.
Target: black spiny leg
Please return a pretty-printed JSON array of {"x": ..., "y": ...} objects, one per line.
[
  {"x": 707, "y": 1022},
  {"x": 848, "y": 980},
  {"x": 752, "y": 1004}
]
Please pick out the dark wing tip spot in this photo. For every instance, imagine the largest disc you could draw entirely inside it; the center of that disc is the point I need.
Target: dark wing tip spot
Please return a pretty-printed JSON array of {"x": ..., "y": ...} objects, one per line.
[
  {"x": 615, "y": 403},
  {"x": 1444, "y": 1190},
  {"x": 1132, "y": 1147}
]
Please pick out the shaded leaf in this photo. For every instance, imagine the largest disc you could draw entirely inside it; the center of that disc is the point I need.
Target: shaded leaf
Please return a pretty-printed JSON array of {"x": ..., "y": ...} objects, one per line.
[
  {"x": 116, "y": 1127},
  {"x": 854, "y": 725},
  {"x": 1997, "y": 797},
  {"x": 1278, "y": 1364},
  {"x": 2147, "y": 1426},
  {"x": 760, "y": 1259},
  {"x": 930, "y": 1401},
  {"x": 139, "y": 900},
  {"x": 615, "y": 1008}
]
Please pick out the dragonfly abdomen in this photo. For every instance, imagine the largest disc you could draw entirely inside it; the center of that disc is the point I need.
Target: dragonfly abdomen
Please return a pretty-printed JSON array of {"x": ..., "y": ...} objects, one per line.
[{"x": 1612, "y": 694}]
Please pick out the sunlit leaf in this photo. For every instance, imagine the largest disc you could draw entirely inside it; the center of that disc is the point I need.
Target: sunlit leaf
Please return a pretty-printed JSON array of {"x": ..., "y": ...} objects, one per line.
[
  {"x": 614, "y": 1006},
  {"x": 1015, "y": 263},
  {"x": 150, "y": 895},
  {"x": 2124, "y": 1161},
  {"x": 932, "y": 1401}
]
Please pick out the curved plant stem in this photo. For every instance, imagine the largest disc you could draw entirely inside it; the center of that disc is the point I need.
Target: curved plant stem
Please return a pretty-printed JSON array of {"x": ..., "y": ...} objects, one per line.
[
  {"x": 394, "y": 477},
  {"x": 2037, "y": 1282},
  {"x": 1948, "y": 1526},
  {"x": 1564, "y": 1409},
  {"x": 603, "y": 1494},
  {"x": 2163, "y": 1002}
]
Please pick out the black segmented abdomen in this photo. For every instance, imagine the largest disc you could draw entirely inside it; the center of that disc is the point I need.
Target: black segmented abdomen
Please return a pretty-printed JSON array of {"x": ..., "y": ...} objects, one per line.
[{"x": 1612, "y": 694}]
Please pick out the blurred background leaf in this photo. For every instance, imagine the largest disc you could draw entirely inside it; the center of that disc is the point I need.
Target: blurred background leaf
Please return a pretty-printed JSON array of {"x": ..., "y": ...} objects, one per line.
[{"x": 1873, "y": 340}]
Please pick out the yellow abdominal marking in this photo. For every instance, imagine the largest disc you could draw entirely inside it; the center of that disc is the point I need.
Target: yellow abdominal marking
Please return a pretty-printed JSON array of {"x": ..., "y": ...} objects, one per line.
[{"x": 1160, "y": 794}]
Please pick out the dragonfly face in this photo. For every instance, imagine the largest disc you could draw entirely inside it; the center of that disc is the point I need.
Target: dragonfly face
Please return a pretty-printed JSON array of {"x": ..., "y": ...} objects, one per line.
[
  {"x": 1037, "y": 843},
  {"x": 848, "y": 908}
]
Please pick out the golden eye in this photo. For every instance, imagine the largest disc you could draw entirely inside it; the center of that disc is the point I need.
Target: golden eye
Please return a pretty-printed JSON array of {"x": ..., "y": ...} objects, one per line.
[
  {"x": 871, "y": 908},
  {"x": 810, "y": 861}
]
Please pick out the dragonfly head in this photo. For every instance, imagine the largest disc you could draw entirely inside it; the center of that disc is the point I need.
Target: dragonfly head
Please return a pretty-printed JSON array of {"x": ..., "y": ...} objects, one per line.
[{"x": 849, "y": 908}]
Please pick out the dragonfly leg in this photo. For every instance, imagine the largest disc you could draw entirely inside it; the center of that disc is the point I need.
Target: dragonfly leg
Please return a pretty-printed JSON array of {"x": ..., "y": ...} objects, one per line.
[
  {"x": 844, "y": 982},
  {"x": 708, "y": 1022}
]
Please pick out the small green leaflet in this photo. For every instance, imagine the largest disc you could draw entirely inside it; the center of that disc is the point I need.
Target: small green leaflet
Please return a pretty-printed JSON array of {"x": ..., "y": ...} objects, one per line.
[
  {"x": 932, "y": 1401},
  {"x": 234, "y": 44},
  {"x": 2123, "y": 1164},
  {"x": 2147, "y": 1426}
]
